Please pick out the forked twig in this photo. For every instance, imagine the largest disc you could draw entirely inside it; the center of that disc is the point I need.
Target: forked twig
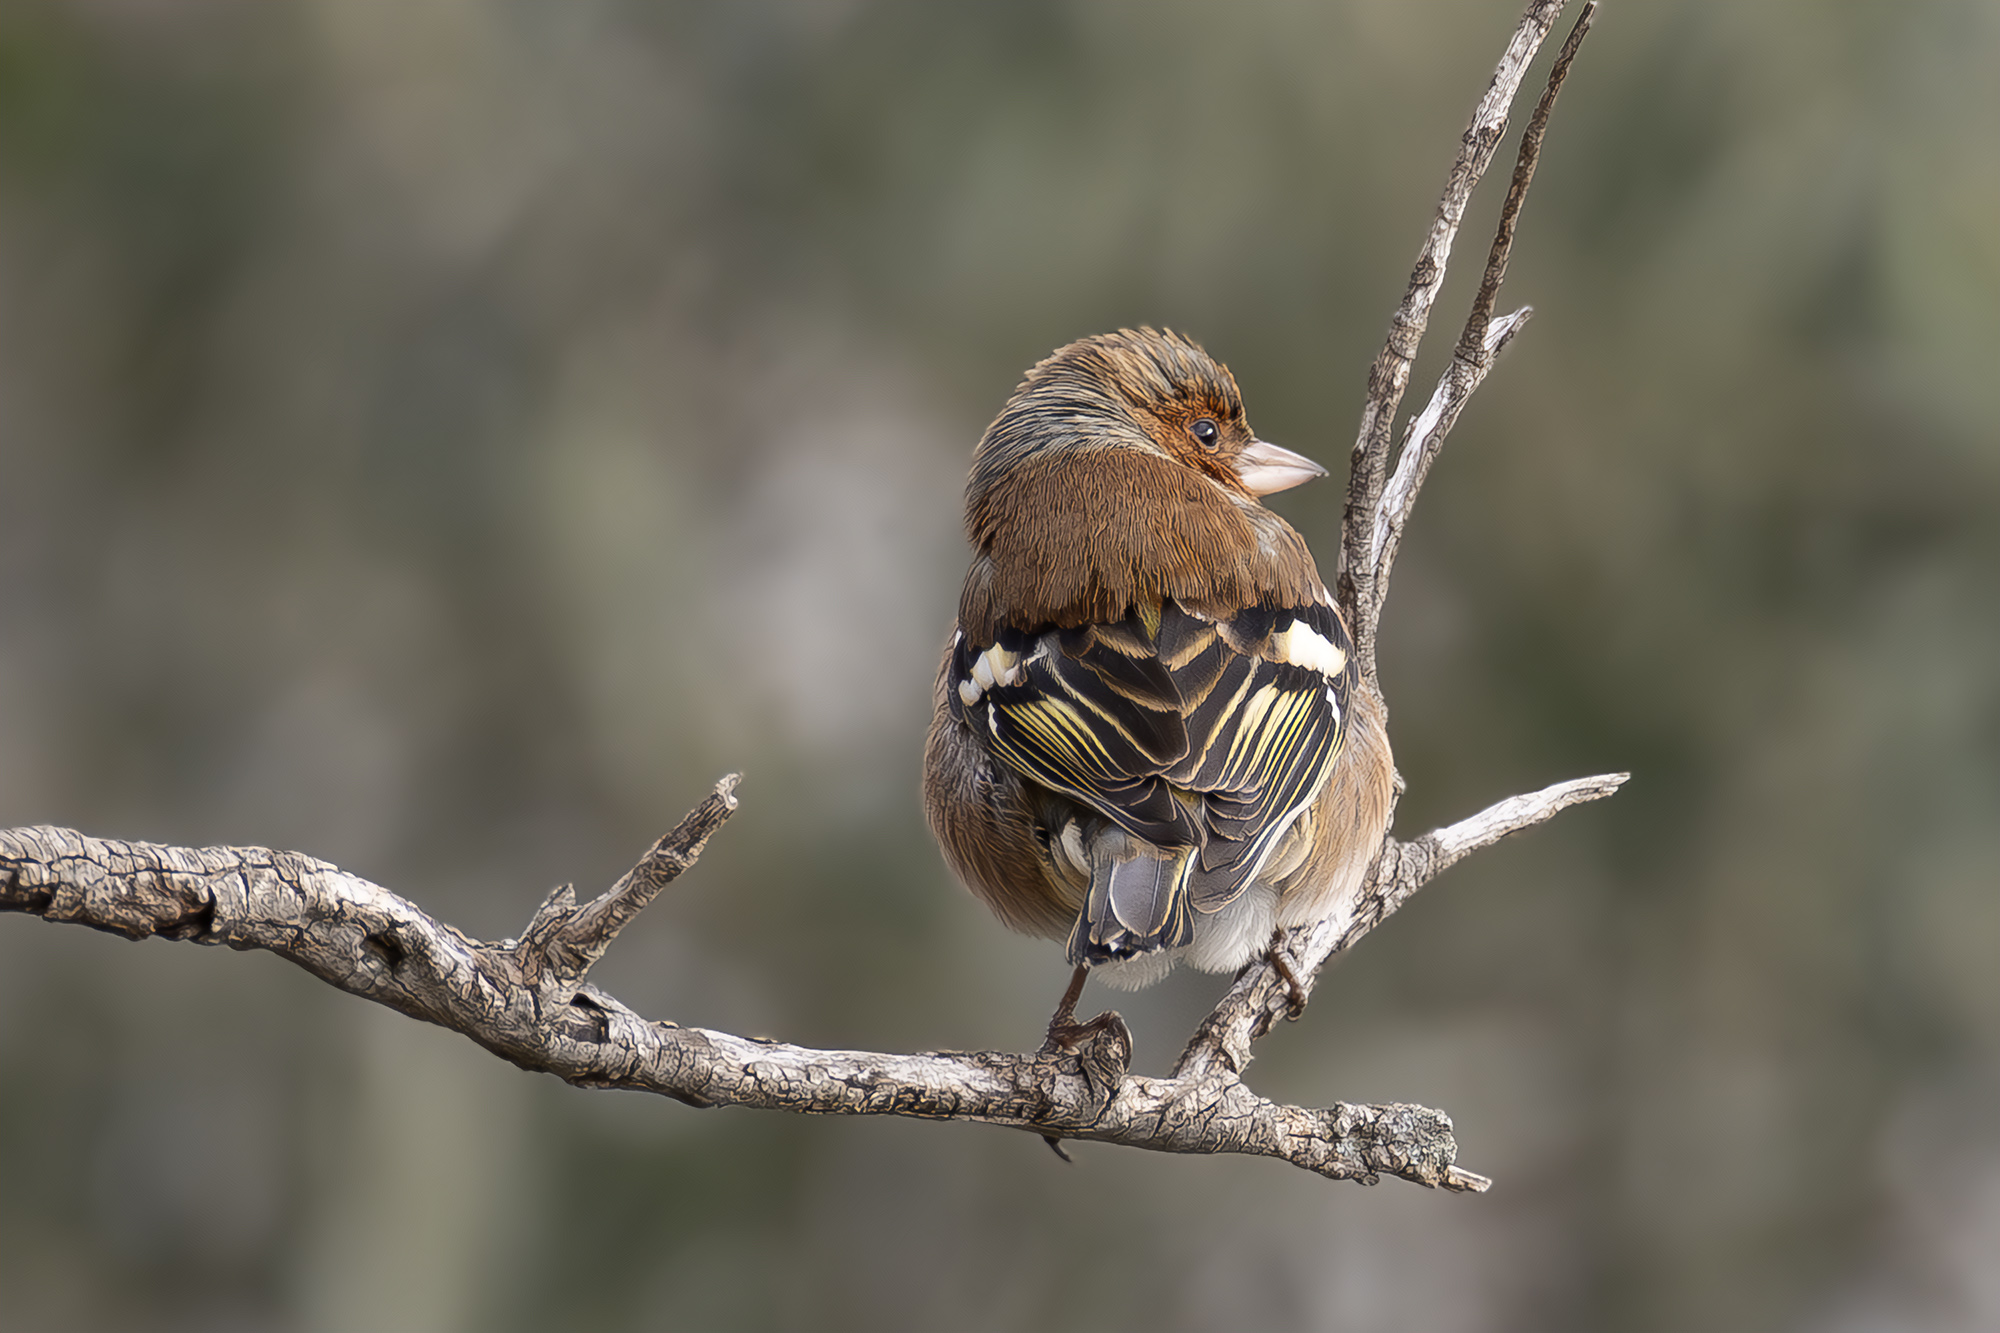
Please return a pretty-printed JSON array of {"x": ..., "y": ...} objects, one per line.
[
  {"x": 1479, "y": 345},
  {"x": 1355, "y": 578}
]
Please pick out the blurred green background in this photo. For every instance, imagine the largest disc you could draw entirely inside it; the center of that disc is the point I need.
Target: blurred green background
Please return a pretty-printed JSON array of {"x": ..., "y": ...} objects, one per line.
[{"x": 443, "y": 438}]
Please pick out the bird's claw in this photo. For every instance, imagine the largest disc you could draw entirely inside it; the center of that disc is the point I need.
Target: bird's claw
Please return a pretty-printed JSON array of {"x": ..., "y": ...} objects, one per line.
[
  {"x": 1296, "y": 1006},
  {"x": 1066, "y": 1034}
]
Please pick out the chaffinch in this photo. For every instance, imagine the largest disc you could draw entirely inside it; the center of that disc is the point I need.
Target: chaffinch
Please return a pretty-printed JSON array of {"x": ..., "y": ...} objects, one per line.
[{"x": 1150, "y": 739}]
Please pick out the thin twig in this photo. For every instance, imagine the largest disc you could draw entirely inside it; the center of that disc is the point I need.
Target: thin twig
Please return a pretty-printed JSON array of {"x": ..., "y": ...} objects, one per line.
[
  {"x": 1471, "y": 343},
  {"x": 1355, "y": 583},
  {"x": 1479, "y": 344},
  {"x": 1261, "y": 997},
  {"x": 568, "y": 940},
  {"x": 1423, "y": 440}
]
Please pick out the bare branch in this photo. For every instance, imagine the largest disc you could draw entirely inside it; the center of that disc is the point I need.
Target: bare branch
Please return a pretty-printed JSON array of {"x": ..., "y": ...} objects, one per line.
[
  {"x": 373, "y": 943},
  {"x": 1355, "y": 581},
  {"x": 568, "y": 941},
  {"x": 1261, "y": 997},
  {"x": 1478, "y": 345},
  {"x": 1444, "y": 847},
  {"x": 1473, "y": 338},
  {"x": 1424, "y": 439}
]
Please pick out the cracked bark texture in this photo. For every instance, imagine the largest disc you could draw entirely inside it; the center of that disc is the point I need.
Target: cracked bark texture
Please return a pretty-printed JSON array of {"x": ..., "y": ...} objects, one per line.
[
  {"x": 526, "y": 1000},
  {"x": 529, "y": 1001}
]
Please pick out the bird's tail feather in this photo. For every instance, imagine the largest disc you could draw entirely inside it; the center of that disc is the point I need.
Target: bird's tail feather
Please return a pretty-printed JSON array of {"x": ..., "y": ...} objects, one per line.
[{"x": 1138, "y": 902}]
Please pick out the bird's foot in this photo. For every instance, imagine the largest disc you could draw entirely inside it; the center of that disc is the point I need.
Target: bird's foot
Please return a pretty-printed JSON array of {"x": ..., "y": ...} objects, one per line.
[
  {"x": 1064, "y": 1030},
  {"x": 1101, "y": 1049},
  {"x": 1283, "y": 965},
  {"x": 1065, "y": 1033}
]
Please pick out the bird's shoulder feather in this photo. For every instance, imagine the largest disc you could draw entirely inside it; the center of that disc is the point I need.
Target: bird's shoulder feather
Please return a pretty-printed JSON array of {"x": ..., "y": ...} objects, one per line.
[{"x": 1084, "y": 536}]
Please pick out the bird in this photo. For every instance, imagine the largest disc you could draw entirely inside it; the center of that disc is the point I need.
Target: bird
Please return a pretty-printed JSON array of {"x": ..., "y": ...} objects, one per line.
[{"x": 1150, "y": 739}]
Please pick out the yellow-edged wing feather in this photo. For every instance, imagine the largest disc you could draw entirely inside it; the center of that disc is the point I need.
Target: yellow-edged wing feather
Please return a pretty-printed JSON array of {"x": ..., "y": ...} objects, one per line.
[{"x": 1242, "y": 718}]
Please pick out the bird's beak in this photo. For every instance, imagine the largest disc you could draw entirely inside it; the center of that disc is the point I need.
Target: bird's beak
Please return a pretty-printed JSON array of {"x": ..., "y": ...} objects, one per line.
[{"x": 1264, "y": 468}]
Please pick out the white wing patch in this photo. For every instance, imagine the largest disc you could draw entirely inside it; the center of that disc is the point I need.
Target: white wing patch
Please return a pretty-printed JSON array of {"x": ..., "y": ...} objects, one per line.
[
  {"x": 995, "y": 666},
  {"x": 1302, "y": 645}
]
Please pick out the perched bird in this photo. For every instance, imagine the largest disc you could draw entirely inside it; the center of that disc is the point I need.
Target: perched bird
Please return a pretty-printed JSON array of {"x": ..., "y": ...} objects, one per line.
[{"x": 1150, "y": 740}]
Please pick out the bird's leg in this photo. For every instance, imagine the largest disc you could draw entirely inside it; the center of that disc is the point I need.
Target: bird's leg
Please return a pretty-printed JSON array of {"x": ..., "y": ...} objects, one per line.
[
  {"x": 1064, "y": 1030},
  {"x": 1065, "y": 1033},
  {"x": 1065, "y": 1014},
  {"x": 1276, "y": 953}
]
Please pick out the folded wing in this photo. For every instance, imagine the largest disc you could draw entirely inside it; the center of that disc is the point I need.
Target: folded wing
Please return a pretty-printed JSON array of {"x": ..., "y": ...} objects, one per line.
[{"x": 1212, "y": 736}]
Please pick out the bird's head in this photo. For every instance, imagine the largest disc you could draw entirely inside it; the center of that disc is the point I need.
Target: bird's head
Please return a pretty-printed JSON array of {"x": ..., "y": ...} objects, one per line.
[{"x": 1144, "y": 389}]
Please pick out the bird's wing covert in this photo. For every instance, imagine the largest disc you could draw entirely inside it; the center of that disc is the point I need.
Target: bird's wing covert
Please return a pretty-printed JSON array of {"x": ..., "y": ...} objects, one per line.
[{"x": 1184, "y": 731}]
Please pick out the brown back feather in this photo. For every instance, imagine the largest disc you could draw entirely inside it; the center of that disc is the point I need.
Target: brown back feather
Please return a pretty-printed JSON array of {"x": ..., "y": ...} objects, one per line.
[{"x": 1081, "y": 535}]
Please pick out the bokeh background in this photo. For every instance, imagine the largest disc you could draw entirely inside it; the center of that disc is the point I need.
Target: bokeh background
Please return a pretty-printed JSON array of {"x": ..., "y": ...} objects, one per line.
[{"x": 443, "y": 438}]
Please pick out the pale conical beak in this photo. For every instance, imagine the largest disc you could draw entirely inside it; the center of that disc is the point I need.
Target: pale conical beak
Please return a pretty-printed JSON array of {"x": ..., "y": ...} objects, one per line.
[{"x": 1266, "y": 469}]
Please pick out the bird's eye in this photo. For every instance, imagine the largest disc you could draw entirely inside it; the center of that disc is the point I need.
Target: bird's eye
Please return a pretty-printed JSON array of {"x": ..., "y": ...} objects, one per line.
[{"x": 1205, "y": 432}]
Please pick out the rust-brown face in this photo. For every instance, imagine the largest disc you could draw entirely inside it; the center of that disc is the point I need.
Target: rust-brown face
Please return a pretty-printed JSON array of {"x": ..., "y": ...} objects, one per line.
[
  {"x": 1138, "y": 390},
  {"x": 1201, "y": 425},
  {"x": 1205, "y": 430}
]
